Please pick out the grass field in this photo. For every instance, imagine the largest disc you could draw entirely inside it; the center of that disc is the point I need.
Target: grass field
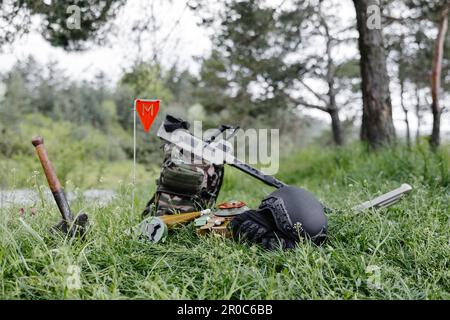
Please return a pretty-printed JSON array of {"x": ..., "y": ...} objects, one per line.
[{"x": 398, "y": 253}]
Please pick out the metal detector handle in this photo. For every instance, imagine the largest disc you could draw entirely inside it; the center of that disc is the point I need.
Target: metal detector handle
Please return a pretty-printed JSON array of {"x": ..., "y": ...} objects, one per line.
[
  {"x": 271, "y": 181},
  {"x": 219, "y": 131}
]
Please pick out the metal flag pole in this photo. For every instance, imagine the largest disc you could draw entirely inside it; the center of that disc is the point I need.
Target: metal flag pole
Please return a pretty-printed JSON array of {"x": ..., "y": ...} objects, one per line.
[{"x": 134, "y": 157}]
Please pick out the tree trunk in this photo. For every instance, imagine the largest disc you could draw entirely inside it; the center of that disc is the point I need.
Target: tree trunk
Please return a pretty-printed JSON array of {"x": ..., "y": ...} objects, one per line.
[
  {"x": 336, "y": 127},
  {"x": 377, "y": 125},
  {"x": 418, "y": 115},
  {"x": 436, "y": 77},
  {"x": 333, "y": 109},
  {"x": 405, "y": 111},
  {"x": 401, "y": 77}
]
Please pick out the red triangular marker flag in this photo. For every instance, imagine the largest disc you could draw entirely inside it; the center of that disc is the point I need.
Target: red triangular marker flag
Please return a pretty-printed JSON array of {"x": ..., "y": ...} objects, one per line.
[{"x": 147, "y": 111}]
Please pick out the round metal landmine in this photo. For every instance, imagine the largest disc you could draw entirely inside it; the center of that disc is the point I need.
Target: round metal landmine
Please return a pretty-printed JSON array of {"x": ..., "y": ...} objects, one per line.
[{"x": 153, "y": 229}]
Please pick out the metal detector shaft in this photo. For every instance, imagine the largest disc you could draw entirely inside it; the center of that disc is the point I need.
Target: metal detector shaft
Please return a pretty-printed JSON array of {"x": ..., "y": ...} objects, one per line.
[
  {"x": 214, "y": 154},
  {"x": 269, "y": 180}
]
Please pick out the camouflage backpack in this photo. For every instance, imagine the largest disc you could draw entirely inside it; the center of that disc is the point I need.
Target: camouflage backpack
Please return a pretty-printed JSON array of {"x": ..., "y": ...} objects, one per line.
[{"x": 184, "y": 187}]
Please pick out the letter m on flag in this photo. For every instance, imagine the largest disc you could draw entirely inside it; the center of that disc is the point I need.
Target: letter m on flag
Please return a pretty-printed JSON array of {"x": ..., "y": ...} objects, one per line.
[{"x": 147, "y": 111}]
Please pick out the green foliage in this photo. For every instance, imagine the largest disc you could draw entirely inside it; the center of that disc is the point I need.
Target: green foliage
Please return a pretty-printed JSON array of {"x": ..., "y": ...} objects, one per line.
[
  {"x": 429, "y": 9},
  {"x": 408, "y": 242},
  {"x": 74, "y": 149},
  {"x": 346, "y": 74},
  {"x": 411, "y": 40},
  {"x": 213, "y": 86},
  {"x": 357, "y": 166},
  {"x": 56, "y": 28},
  {"x": 30, "y": 89},
  {"x": 181, "y": 84},
  {"x": 146, "y": 80},
  {"x": 248, "y": 71},
  {"x": 262, "y": 59}
]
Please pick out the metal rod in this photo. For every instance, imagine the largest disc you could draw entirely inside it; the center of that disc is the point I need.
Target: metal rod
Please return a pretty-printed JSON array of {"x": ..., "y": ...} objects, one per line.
[{"x": 134, "y": 156}]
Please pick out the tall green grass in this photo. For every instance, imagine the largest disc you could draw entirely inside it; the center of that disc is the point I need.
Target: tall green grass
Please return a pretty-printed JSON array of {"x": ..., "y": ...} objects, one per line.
[{"x": 397, "y": 253}]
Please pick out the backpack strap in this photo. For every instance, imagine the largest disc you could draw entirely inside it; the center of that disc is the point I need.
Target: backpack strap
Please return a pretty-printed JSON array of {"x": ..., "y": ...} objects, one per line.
[{"x": 148, "y": 206}]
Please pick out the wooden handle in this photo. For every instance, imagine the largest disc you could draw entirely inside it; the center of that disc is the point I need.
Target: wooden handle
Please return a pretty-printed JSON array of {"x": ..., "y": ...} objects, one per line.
[
  {"x": 49, "y": 171},
  {"x": 174, "y": 219}
]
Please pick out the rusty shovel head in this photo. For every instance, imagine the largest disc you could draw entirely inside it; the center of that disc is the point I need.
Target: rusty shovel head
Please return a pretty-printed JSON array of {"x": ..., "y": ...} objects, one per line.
[
  {"x": 77, "y": 228},
  {"x": 68, "y": 225}
]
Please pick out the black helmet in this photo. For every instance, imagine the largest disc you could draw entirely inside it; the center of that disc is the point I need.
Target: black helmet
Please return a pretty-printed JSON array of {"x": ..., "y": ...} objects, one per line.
[{"x": 297, "y": 213}]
